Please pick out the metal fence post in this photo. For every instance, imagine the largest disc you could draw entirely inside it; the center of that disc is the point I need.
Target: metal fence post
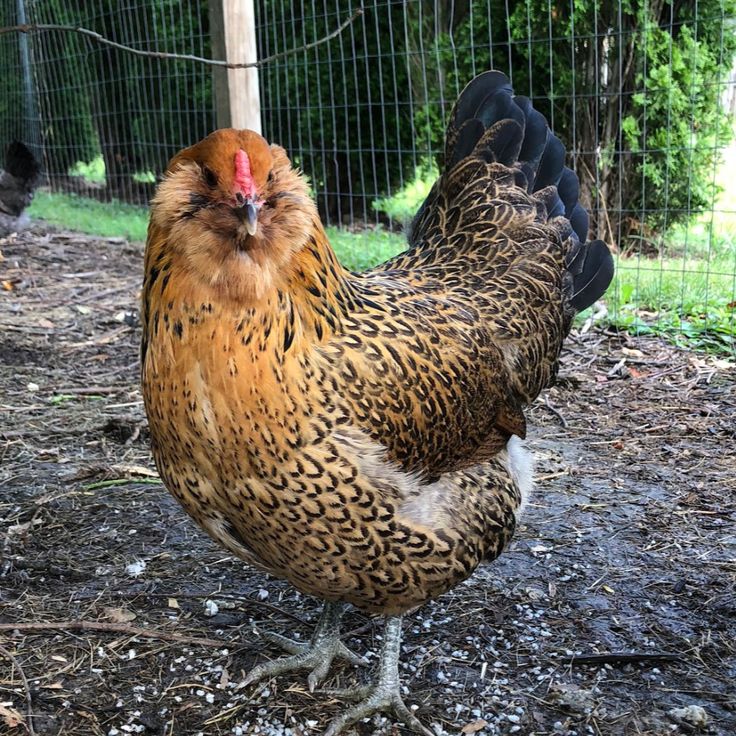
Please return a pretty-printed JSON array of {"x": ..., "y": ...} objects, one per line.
[{"x": 30, "y": 109}]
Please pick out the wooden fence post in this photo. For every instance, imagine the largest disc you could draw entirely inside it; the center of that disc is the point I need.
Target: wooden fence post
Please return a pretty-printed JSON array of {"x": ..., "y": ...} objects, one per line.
[{"x": 233, "y": 30}]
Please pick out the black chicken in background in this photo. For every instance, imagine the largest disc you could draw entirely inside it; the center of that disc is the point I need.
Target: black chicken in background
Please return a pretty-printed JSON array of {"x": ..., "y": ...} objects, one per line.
[{"x": 18, "y": 181}]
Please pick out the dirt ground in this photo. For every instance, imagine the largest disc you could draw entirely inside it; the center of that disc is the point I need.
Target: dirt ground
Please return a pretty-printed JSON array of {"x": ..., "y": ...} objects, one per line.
[{"x": 613, "y": 612}]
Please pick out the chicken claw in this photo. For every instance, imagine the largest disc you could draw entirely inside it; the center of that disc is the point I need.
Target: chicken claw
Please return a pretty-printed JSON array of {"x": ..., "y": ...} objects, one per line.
[
  {"x": 385, "y": 695},
  {"x": 324, "y": 646}
]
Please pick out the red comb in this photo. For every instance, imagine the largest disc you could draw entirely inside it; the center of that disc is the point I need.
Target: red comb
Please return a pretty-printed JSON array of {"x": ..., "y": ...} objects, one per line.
[{"x": 243, "y": 176}]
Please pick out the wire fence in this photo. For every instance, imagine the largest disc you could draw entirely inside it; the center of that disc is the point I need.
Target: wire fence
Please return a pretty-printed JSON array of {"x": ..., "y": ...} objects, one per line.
[{"x": 643, "y": 94}]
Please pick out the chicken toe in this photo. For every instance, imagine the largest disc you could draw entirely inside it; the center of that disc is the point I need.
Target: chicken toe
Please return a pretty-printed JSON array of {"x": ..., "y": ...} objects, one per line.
[
  {"x": 385, "y": 695},
  {"x": 318, "y": 655}
]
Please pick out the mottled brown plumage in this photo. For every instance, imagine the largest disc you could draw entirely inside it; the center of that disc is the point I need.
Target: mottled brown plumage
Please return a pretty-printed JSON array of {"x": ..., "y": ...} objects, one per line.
[{"x": 348, "y": 432}]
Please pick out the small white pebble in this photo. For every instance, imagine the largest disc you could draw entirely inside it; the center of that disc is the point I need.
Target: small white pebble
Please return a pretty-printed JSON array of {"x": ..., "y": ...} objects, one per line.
[
  {"x": 695, "y": 715},
  {"x": 211, "y": 608},
  {"x": 134, "y": 569}
]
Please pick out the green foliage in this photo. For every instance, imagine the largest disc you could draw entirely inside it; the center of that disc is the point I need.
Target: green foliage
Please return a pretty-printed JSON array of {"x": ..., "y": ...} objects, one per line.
[
  {"x": 144, "y": 110},
  {"x": 404, "y": 203},
  {"x": 637, "y": 80},
  {"x": 96, "y": 101},
  {"x": 11, "y": 85},
  {"x": 92, "y": 171},
  {"x": 62, "y": 85},
  {"x": 631, "y": 85},
  {"x": 679, "y": 126},
  {"x": 343, "y": 119},
  {"x": 713, "y": 332}
]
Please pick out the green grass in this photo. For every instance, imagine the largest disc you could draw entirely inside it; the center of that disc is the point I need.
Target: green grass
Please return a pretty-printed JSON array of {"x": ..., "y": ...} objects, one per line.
[
  {"x": 690, "y": 300},
  {"x": 687, "y": 296},
  {"x": 358, "y": 251},
  {"x": 684, "y": 285},
  {"x": 108, "y": 219},
  {"x": 689, "y": 292}
]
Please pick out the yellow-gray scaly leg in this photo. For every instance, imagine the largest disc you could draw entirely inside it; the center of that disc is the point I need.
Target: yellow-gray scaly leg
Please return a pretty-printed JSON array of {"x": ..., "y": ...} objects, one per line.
[
  {"x": 385, "y": 695},
  {"x": 324, "y": 646}
]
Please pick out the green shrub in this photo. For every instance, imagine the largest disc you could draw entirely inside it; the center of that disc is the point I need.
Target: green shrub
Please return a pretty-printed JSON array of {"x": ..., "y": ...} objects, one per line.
[
  {"x": 637, "y": 81},
  {"x": 346, "y": 120}
]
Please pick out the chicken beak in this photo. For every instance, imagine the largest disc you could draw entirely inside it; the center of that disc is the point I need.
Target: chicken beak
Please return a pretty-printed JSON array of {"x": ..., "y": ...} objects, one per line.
[
  {"x": 251, "y": 217},
  {"x": 247, "y": 210}
]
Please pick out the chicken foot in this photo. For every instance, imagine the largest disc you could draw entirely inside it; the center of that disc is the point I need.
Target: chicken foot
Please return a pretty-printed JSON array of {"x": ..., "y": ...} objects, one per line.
[
  {"x": 324, "y": 646},
  {"x": 385, "y": 695}
]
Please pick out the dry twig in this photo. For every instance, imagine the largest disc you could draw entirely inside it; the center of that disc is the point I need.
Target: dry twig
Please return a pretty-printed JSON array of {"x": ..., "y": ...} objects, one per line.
[
  {"x": 624, "y": 658},
  {"x": 29, "y": 699},
  {"x": 34, "y": 627},
  {"x": 556, "y": 412}
]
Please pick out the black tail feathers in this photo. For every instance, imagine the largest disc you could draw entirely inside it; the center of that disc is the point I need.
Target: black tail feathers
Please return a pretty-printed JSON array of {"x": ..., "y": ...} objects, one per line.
[
  {"x": 490, "y": 123},
  {"x": 21, "y": 163},
  {"x": 591, "y": 268}
]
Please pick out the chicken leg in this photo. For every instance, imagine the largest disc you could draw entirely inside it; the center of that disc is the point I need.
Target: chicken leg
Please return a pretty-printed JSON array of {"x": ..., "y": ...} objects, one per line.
[
  {"x": 385, "y": 694},
  {"x": 324, "y": 646}
]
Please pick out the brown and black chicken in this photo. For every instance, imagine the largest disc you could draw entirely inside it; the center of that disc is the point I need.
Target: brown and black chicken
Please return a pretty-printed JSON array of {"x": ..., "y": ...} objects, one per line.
[{"x": 360, "y": 434}]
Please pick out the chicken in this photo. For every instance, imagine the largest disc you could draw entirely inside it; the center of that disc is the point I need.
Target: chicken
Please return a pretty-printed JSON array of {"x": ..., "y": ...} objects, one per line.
[
  {"x": 360, "y": 435},
  {"x": 18, "y": 181}
]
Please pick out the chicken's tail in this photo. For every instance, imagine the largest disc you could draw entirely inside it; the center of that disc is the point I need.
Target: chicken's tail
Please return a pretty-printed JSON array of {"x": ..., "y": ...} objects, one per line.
[
  {"x": 21, "y": 164},
  {"x": 489, "y": 124}
]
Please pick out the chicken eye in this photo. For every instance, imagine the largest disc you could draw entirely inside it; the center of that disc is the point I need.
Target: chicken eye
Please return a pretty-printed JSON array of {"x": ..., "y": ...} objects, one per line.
[{"x": 210, "y": 177}]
